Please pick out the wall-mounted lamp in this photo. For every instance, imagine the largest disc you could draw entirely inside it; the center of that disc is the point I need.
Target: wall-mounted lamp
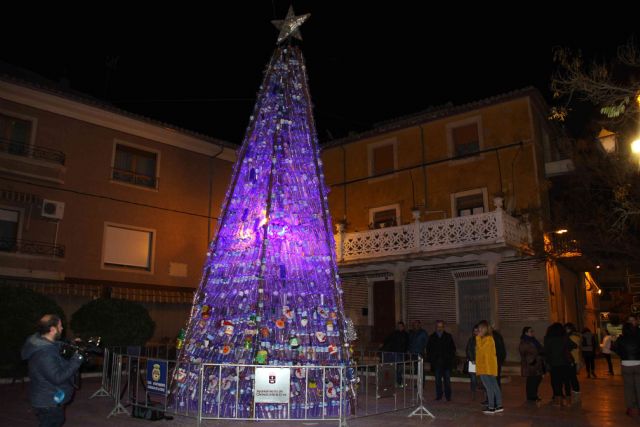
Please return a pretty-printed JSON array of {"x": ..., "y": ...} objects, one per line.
[{"x": 608, "y": 141}]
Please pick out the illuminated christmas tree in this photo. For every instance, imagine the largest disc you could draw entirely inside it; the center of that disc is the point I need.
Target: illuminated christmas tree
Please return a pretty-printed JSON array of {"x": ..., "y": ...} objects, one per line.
[{"x": 270, "y": 292}]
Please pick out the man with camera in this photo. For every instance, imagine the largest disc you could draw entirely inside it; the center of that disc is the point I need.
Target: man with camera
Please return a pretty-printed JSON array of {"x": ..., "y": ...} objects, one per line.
[{"x": 51, "y": 375}]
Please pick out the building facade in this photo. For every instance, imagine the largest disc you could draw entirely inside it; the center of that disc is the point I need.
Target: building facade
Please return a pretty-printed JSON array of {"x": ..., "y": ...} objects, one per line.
[
  {"x": 439, "y": 215},
  {"x": 98, "y": 202},
  {"x": 443, "y": 215}
]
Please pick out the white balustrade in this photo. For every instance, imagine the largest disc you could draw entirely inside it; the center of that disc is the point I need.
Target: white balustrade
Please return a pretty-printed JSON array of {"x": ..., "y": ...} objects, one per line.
[{"x": 465, "y": 232}]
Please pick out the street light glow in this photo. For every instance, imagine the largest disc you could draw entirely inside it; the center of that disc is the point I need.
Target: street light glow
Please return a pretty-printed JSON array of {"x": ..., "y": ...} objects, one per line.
[
  {"x": 635, "y": 146},
  {"x": 561, "y": 231}
]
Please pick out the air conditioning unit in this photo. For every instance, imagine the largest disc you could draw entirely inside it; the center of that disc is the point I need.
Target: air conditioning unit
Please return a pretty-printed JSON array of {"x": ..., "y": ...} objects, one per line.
[{"x": 52, "y": 209}]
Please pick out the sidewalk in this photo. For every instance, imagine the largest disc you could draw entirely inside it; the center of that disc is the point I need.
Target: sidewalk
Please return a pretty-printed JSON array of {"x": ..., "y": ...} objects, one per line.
[{"x": 602, "y": 405}]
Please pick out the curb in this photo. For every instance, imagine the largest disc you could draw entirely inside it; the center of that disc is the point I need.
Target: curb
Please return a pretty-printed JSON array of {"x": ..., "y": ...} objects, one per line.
[
  {"x": 4, "y": 381},
  {"x": 504, "y": 379}
]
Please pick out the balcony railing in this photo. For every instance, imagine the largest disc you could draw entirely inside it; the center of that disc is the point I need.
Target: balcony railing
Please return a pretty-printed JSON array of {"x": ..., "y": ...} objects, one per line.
[
  {"x": 30, "y": 247},
  {"x": 563, "y": 246},
  {"x": 130, "y": 177},
  {"x": 465, "y": 232},
  {"x": 19, "y": 148}
]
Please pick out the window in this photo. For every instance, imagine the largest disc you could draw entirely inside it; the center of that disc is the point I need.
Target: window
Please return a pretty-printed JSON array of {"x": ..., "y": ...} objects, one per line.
[
  {"x": 135, "y": 166},
  {"x": 382, "y": 157},
  {"x": 15, "y": 135},
  {"x": 386, "y": 216},
  {"x": 465, "y": 139},
  {"x": 128, "y": 247},
  {"x": 8, "y": 229},
  {"x": 471, "y": 202}
]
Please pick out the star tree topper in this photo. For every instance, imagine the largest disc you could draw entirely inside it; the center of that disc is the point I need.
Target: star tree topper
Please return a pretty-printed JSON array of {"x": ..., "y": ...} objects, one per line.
[{"x": 290, "y": 25}]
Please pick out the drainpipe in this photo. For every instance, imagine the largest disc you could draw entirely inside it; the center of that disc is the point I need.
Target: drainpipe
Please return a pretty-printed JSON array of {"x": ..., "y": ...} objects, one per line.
[
  {"x": 211, "y": 159},
  {"x": 344, "y": 179},
  {"x": 424, "y": 166}
]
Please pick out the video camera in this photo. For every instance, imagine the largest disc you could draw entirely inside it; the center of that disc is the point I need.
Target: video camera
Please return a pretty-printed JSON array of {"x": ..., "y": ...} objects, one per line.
[{"x": 84, "y": 349}]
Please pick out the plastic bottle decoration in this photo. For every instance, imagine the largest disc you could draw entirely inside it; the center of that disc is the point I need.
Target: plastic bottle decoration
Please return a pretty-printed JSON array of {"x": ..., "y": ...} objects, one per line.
[
  {"x": 261, "y": 357},
  {"x": 206, "y": 312},
  {"x": 227, "y": 327},
  {"x": 294, "y": 342},
  {"x": 329, "y": 326},
  {"x": 180, "y": 339},
  {"x": 321, "y": 336},
  {"x": 350, "y": 332},
  {"x": 331, "y": 390},
  {"x": 333, "y": 349}
]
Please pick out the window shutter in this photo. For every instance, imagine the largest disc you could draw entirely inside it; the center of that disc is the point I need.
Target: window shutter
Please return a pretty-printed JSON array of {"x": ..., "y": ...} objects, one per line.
[
  {"x": 383, "y": 160},
  {"x": 465, "y": 139}
]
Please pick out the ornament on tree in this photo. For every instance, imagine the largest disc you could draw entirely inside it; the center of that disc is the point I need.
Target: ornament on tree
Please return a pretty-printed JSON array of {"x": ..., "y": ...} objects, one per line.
[
  {"x": 350, "y": 333},
  {"x": 180, "y": 339},
  {"x": 206, "y": 312}
]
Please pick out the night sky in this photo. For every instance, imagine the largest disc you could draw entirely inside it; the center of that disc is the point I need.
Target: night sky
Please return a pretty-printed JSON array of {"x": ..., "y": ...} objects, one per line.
[{"x": 200, "y": 68}]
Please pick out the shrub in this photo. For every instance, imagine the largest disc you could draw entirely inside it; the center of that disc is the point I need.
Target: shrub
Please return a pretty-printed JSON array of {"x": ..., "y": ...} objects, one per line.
[
  {"x": 118, "y": 322},
  {"x": 20, "y": 310}
]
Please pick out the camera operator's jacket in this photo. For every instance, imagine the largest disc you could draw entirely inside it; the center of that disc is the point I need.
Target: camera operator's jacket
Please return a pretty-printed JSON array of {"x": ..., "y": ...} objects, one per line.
[{"x": 48, "y": 371}]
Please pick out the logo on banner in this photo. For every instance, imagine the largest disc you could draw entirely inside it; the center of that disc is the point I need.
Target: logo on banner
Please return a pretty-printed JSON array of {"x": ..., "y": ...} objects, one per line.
[{"x": 272, "y": 379}]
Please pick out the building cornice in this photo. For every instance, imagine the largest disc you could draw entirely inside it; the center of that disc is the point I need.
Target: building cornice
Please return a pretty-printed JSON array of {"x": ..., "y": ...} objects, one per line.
[{"x": 111, "y": 120}]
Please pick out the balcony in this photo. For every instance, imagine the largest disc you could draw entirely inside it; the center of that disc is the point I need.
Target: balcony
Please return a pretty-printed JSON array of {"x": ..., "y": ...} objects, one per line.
[
  {"x": 32, "y": 151},
  {"x": 30, "y": 247},
  {"x": 32, "y": 161},
  {"x": 484, "y": 231}
]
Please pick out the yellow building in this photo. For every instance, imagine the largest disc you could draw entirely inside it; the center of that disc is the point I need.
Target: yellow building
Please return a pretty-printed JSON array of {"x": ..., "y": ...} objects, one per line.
[{"x": 441, "y": 215}]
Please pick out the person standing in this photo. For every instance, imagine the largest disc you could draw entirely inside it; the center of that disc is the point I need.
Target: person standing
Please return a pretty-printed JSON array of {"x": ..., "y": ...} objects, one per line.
[
  {"x": 589, "y": 346},
  {"x": 487, "y": 367},
  {"x": 501, "y": 353},
  {"x": 606, "y": 349},
  {"x": 441, "y": 353},
  {"x": 531, "y": 362},
  {"x": 571, "y": 384},
  {"x": 557, "y": 351},
  {"x": 627, "y": 346},
  {"x": 51, "y": 375},
  {"x": 470, "y": 352},
  {"x": 394, "y": 348},
  {"x": 417, "y": 342}
]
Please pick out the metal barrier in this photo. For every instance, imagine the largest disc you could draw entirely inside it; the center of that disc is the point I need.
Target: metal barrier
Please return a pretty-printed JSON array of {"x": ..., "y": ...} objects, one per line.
[
  {"x": 105, "y": 386},
  {"x": 387, "y": 382}
]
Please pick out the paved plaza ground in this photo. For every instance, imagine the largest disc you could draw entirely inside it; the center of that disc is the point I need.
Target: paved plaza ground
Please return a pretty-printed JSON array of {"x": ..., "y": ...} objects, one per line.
[{"x": 602, "y": 405}]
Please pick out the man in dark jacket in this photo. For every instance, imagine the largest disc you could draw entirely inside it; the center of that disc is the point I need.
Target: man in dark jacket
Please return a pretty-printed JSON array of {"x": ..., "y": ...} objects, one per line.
[
  {"x": 51, "y": 375},
  {"x": 394, "y": 348},
  {"x": 417, "y": 339},
  {"x": 441, "y": 353},
  {"x": 501, "y": 352}
]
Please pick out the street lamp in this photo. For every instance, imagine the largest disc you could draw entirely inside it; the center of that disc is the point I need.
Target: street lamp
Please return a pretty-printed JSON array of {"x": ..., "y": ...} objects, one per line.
[
  {"x": 635, "y": 149},
  {"x": 608, "y": 141}
]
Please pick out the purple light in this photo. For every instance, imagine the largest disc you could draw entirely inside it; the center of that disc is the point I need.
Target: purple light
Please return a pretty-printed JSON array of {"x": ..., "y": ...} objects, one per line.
[{"x": 270, "y": 289}]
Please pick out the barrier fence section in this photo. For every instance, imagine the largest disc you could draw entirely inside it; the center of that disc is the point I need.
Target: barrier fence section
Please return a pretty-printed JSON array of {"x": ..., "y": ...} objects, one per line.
[{"x": 376, "y": 383}]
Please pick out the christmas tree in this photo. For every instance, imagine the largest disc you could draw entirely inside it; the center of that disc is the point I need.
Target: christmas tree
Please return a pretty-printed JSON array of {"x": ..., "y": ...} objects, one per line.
[{"x": 270, "y": 292}]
